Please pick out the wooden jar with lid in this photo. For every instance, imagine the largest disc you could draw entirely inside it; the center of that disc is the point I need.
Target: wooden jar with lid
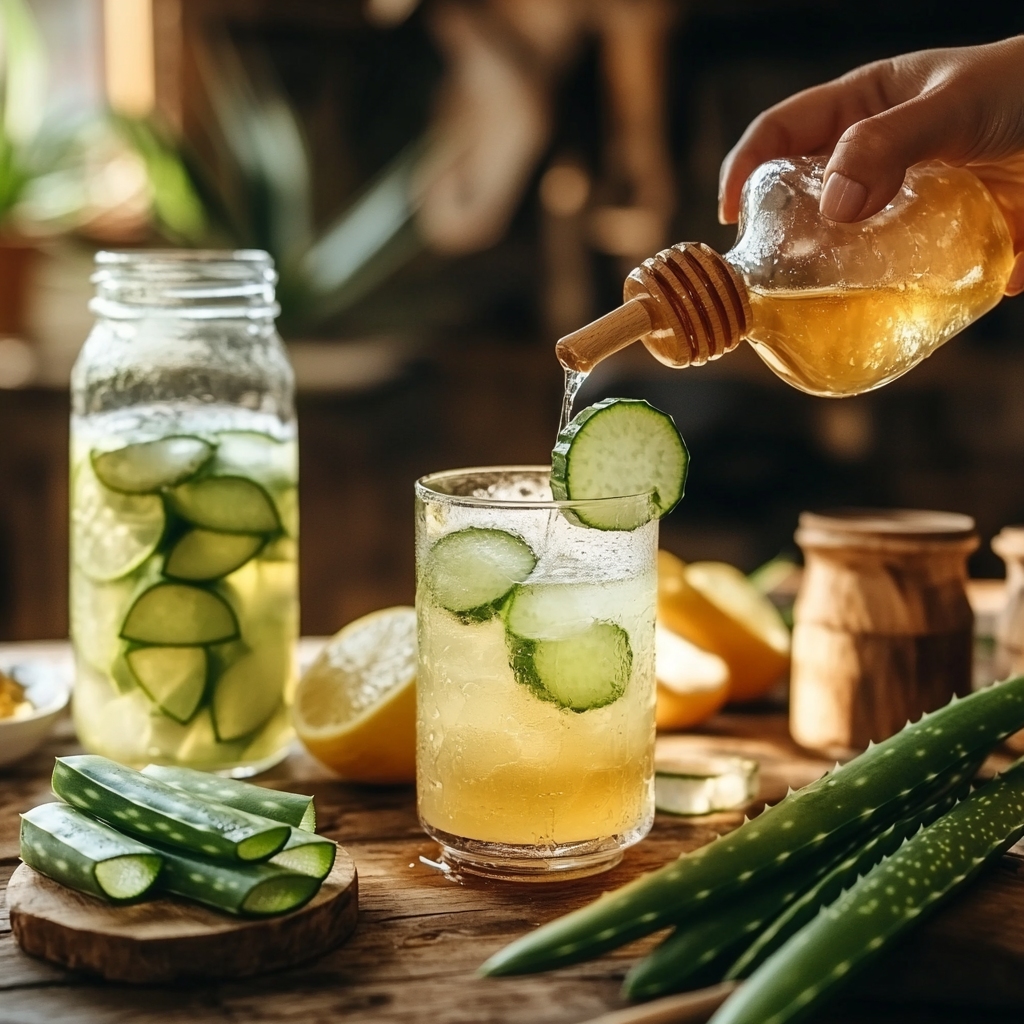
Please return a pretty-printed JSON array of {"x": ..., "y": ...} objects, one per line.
[{"x": 883, "y": 629}]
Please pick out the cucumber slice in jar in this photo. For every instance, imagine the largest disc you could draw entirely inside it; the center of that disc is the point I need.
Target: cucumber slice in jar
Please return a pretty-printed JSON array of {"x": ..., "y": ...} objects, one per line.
[
  {"x": 619, "y": 447},
  {"x": 85, "y": 854},
  {"x": 112, "y": 534},
  {"x": 230, "y": 504},
  {"x": 471, "y": 572},
  {"x": 581, "y": 672},
  {"x": 202, "y": 555},
  {"x": 149, "y": 466},
  {"x": 178, "y": 615},
  {"x": 174, "y": 678},
  {"x": 249, "y": 688}
]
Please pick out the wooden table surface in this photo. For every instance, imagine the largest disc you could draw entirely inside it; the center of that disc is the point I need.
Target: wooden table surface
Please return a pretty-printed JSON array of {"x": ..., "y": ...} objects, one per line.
[{"x": 421, "y": 936}]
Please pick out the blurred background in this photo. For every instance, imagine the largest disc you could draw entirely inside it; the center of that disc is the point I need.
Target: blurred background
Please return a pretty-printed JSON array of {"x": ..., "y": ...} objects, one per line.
[{"x": 447, "y": 187}]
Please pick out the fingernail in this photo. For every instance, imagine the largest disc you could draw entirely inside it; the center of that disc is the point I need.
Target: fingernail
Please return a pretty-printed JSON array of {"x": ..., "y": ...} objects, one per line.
[{"x": 842, "y": 198}]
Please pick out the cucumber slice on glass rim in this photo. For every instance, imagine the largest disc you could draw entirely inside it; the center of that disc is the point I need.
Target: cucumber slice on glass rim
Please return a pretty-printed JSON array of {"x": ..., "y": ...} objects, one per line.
[
  {"x": 174, "y": 678},
  {"x": 580, "y": 672},
  {"x": 209, "y": 554},
  {"x": 619, "y": 447},
  {"x": 148, "y": 466},
  {"x": 471, "y": 572}
]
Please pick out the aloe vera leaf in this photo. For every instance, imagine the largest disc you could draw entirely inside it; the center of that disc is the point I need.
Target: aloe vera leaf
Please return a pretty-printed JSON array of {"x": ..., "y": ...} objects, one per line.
[
  {"x": 307, "y": 853},
  {"x": 294, "y": 809},
  {"x": 829, "y": 888},
  {"x": 251, "y": 890},
  {"x": 85, "y": 854},
  {"x": 883, "y": 783},
  {"x": 141, "y": 805},
  {"x": 700, "y": 951},
  {"x": 868, "y": 917}
]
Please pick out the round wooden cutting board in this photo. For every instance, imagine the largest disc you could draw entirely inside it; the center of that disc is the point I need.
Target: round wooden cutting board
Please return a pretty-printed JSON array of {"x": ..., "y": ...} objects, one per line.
[{"x": 169, "y": 938}]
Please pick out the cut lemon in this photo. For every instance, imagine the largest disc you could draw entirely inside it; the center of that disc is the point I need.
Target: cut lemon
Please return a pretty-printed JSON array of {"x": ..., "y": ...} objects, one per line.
[
  {"x": 692, "y": 684},
  {"x": 355, "y": 708},
  {"x": 714, "y": 606}
]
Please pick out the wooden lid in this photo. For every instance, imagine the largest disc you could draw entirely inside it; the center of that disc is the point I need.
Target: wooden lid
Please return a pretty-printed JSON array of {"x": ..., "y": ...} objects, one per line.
[{"x": 872, "y": 528}]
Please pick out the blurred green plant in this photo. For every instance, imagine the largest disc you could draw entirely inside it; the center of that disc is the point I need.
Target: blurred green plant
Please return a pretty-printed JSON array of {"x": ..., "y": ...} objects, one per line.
[{"x": 255, "y": 190}]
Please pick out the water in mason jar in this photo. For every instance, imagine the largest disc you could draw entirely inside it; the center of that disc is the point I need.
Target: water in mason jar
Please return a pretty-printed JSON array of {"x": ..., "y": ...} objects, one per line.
[{"x": 184, "y": 609}]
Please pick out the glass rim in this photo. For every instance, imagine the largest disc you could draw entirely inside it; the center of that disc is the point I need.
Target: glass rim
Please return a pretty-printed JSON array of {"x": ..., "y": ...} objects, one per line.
[
  {"x": 425, "y": 491},
  {"x": 121, "y": 257}
]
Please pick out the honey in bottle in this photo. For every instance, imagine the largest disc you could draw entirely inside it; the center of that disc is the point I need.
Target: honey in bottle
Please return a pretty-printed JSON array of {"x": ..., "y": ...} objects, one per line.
[{"x": 834, "y": 309}]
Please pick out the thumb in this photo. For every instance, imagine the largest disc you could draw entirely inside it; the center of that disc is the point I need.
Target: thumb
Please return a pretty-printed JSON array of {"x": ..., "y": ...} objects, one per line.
[{"x": 871, "y": 158}]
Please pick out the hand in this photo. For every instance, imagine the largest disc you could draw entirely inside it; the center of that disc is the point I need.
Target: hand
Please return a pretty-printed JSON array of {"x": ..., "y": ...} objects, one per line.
[{"x": 963, "y": 106}]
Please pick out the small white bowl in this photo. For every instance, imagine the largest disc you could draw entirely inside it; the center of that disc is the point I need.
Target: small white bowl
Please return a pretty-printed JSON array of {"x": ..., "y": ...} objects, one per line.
[{"x": 48, "y": 688}]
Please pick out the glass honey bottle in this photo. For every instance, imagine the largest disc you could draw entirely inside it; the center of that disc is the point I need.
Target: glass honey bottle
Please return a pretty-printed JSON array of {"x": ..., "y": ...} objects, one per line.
[{"x": 833, "y": 309}]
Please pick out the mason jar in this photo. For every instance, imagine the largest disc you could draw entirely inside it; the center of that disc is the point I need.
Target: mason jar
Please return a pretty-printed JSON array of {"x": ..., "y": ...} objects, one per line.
[{"x": 184, "y": 514}]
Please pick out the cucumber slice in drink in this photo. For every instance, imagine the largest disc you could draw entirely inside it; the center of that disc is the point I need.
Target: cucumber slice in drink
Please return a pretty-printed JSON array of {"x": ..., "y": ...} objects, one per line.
[
  {"x": 292, "y": 808},
  {"x": 252, "y": 890},
  {"x": 230, "y": 504},
  {"x": 471, "y": 572},
  {"x": 112, "y": 534},
  {"x": 150, "y": 810},
  {"x": 151, "y": 465},
  {"x": 580, "y": 672},
  {"x": 85, "y": 854},
  {"x": 177, "y": 615},
  {"x": 209, "y": 555},
  {"x": 249, "y": 688},
  {"x": 174, "y": 678},
  {"x": 618, "y": 447}
]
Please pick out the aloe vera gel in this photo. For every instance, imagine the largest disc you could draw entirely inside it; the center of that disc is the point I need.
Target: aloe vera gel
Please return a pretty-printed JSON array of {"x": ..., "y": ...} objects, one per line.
[{"x": 184, "y": 515}]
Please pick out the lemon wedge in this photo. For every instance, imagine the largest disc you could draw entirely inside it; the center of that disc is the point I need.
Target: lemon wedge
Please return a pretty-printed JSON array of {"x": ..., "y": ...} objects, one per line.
[
  {"x": 355, "y": 707},
  {"x": 692, "y": 684},
  {"x": 714, "y": 606}
]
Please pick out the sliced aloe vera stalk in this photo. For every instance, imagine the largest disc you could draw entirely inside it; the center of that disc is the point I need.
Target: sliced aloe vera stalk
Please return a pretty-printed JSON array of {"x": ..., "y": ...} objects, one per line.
[
  {"x": 308, "y": 854},
  {"x": 248, "y": 690},
  {"x": 200, "y": 554},
  {"x": 580, "y": 672},
  {"x": 112, "y": 534},
  {"x": 174, "y": 614},
  {"x": 174, "y": 678},
  {"x": 231, "y": 504},
  {"x": 252, "y": 890},
  {"x": 618, "y": 447},
  {"x": 148, "y": 466},
  {"x": 291, "y": 808},
  {"x": 85, "y": 854},
  {"x": 147, "y": 808},
  {"x": 471, "y": 572}
]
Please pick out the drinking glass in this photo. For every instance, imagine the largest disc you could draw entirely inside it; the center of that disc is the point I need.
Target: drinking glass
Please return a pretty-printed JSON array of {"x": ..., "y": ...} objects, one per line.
[{"x": 535, "y": 715}]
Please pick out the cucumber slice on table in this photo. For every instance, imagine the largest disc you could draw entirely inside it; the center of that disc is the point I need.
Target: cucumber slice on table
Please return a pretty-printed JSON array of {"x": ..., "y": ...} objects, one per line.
[
  {"x": 151, "y": 465},
  {"x": 291, "y": 808},
  {"x": 147, "y": 808},
  {"x": 618, "y": 447},
  {"x": 85, "y": 854},
  {"x": 580, "y": 672},
  {"x": 471, "y": 572},
  {"x": 112, "y": 534},
  {"x": 208, "y": 554},
  {"x": 174, "y": 614},
  {"x": 253, "y": 890},
  {"x": 231, "y": 504},
  {"x": 174, "y": 678}
]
